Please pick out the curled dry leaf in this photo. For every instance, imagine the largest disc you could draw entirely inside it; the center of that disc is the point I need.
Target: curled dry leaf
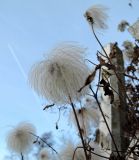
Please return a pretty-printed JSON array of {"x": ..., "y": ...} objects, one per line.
[
  {"x": 107, "y": 90},
  {"x": 48, "y": 106},
  {"x": 89, "y": 79}
]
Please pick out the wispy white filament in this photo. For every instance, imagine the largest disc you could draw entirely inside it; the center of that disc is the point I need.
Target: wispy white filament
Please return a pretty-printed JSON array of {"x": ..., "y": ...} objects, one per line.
[
  {"x": 61, "y": 74},
  {"x": 20, "y": 139},
  {"x": 98, "y": 15}
]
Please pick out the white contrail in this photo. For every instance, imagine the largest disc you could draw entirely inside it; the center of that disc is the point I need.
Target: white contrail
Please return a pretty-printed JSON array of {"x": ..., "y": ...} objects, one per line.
[
  {"x": 17, "y": 61},
  {"x": 21, "y": 68}
]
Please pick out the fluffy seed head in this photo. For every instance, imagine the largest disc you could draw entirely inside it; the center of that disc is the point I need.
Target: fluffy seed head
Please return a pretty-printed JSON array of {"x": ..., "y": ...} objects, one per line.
[
  {"x": 88, "y": 116},
  {"x": 134, "y": 30},
  {"x": 127, "y": 45},
  {"x": 43, "y": 155},
  {"x": 129, "y": 49},
  {"x": 61, "y": 74},
  {"x": 68, "y": 152},
  {"x": 122, "y": 25},
  {"x": 69, "y": 149},
  {"x": 97, "y": 16},
  {"x": 20, "y": 139}
]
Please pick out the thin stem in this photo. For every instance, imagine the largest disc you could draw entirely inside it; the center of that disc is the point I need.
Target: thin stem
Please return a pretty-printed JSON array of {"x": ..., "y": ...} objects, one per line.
[
  {"x": 91, "y": 153},
  {"x": 110, "y": 62},
  {"x": 105, "y": 121},
  {"x": 131, "y": 158},
  {"x": 58, "y": 119},
  {"x": 130, "y": 148},
  {"x": 22, "y": 157},
  {"x": 99, "y": 42},
  {"x": 132, "y": 77},
  {"x": 101, "y": 54},
  {"x": 48, "y": 106},
  {"x": 98, "y": 80},
  {"x": 80, "y": 131},
  {"x": 91, "y": 62},
  {"x": 99, "y": 155},
  {"x": 43, "y": 142}
]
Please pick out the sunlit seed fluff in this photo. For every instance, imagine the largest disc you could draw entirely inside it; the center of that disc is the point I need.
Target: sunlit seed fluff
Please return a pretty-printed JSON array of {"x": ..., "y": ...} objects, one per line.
[
  {"x": 61, "y": 74},
  {"x": 97, "y": 16},
  {"x": 122, "y": 25},
  {"x": 43, "y": 155},
  {"x": 20, "y": 139}
]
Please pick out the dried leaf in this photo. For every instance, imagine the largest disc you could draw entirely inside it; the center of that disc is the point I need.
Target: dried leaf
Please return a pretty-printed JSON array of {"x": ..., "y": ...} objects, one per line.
[
  {"x": 35, "y": 142},
  {"x": 113, "y": 51},
  {"x": 107, "y": 90},
  {"x": 56, "y": 126},
  {"x": 89, "y": 79},
  {"x": 48, "y": 106}
]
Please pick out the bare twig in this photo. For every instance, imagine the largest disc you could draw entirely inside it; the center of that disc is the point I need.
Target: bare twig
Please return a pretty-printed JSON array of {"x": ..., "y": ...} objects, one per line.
[
  {"x": 110, "y": 63},
  {"x": 89, "y": 151},
  {"x": 132, "y": 77},
  {"x": 22, "y": 157},
  {"x": 105, "y": 121},
  {"x": 44, "y": 142},
  {"x": 101, "y": 54},
  {"x": 58, "y": 119},
  {"x": 48, "y": 106},
  {"x": 80, "y": 131},
  {"x": 91, "y": 62}
]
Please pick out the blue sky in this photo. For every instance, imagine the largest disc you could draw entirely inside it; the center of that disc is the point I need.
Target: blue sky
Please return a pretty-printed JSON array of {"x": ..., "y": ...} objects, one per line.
[{"x": 29, "y": 29}]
